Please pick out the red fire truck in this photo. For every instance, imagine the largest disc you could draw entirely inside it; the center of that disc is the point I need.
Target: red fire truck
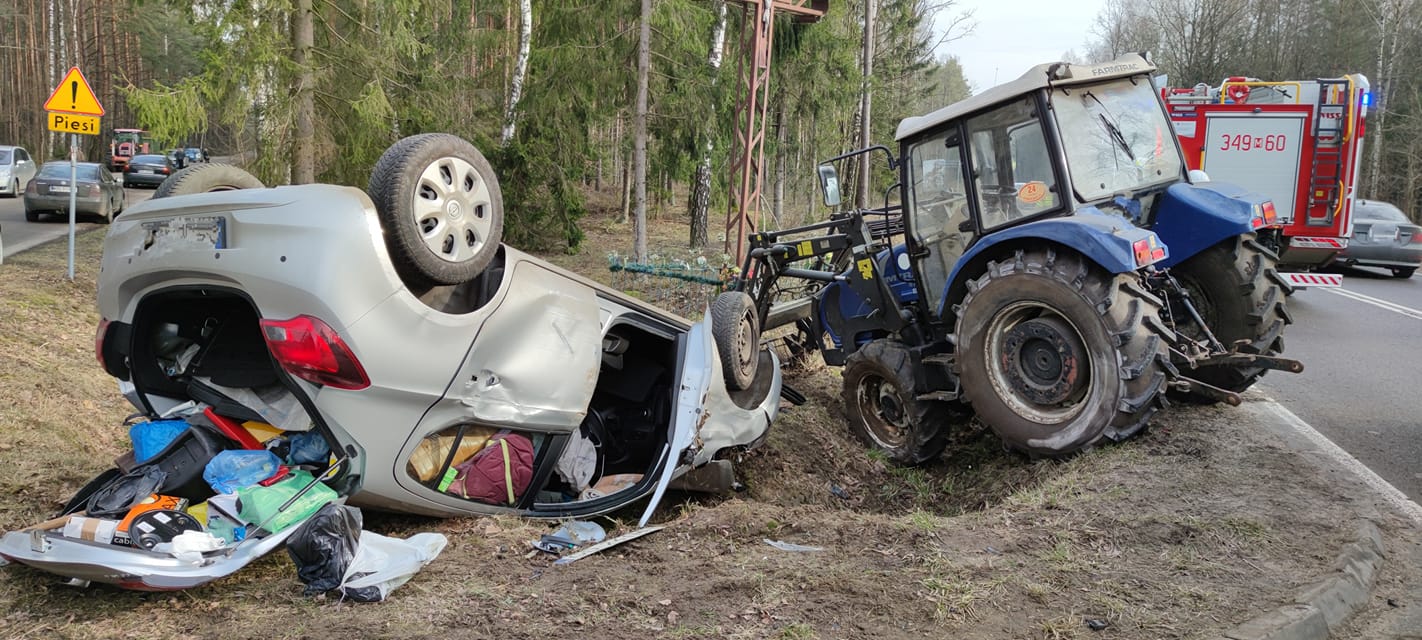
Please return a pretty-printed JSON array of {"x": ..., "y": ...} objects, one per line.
[{"x": 1298, "y": 142}]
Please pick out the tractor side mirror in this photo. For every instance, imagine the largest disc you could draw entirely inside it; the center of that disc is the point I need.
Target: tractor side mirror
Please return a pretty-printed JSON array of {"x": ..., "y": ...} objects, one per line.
[{"x": 829, "y": 184}]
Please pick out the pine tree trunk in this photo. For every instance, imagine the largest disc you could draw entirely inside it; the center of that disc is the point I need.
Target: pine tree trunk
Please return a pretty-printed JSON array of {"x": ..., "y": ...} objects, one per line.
[
  {"x": 777, "y": 206},
  {"x": 644, "y": 63},
  {"x": 303, "y": 156},
  {"x": 626, "y": 190},
  {"x": 525, "y": 35},
  {"x": 700, "y": 199}
]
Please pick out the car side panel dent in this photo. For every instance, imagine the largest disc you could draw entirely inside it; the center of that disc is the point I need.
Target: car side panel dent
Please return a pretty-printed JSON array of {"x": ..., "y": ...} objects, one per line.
[{"x": 536, "y": 358}]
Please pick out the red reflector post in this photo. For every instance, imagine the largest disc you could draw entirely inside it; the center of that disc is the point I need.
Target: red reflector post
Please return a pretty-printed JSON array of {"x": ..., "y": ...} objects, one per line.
[{"x": 311, "y": 350}]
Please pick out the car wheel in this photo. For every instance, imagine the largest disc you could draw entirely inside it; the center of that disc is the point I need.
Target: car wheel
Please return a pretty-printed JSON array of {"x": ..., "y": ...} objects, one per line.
[
  {"x": 736, "y": 329},
  {"x": 15, "y": 188},
  {"x": 31, "y": 215},
  {"x": 440, "y": 205},
  {"x": 1055, "y": 353},
  {"x": 1404, "y": 272},
  {"x": 883, "y": 409},
  {"x": 205, "y": 178}
]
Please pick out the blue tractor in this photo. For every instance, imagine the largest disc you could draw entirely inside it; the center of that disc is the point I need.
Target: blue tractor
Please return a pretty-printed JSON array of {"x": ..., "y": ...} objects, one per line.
[{"x": 1049, "y": 267}]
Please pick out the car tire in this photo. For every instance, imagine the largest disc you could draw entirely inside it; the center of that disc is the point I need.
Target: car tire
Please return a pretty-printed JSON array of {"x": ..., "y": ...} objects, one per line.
[
  {"x": 1056, "y": 354},
  {"x": 31, "y": 215},
  {"x": 1236, "y": 288},
  {"x": 736, "y": 330},
  {"x": 884, "y": 411},
  {"x": 440, "y": 206},
  {"x": 1404, "y": 272},
  {"x": 14, "y": 188},
  {"x": 205, "y": 178}
]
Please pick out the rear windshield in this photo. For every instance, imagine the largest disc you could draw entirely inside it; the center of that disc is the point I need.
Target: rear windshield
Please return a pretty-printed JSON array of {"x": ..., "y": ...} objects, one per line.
[
  {"x": 60, "y": 170},
  {"x": 1381, "y": 211},
  {"x": 148, "y": 159}
]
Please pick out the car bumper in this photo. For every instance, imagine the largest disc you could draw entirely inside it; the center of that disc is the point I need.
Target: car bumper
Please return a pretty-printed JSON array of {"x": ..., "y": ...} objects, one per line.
[
  {"x": 60, "y": 202},
  {"x": 153, "y": 179},
  {"x": 9, "y": 187},
  {"x": 1382, "y": 255}
]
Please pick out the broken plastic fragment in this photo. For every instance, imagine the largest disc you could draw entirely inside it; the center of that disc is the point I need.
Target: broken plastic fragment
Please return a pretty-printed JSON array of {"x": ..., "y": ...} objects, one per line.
[{"x": 790, "y": 546}]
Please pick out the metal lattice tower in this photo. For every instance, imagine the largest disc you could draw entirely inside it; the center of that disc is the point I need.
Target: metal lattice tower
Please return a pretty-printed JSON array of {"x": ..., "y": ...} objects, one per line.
[{"x": 748, "y": 155}]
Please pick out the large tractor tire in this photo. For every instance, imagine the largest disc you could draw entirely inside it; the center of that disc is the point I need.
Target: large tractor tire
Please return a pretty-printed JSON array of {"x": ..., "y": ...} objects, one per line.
[
  {"x": 1236, "y": 288},
  {"x": 1055, "y": 354},
  {"x": 883, "y": 410}
]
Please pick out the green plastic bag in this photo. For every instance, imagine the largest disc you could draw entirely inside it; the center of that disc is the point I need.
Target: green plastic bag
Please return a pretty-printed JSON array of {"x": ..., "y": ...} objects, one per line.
[{"x": 257, "y": 503}]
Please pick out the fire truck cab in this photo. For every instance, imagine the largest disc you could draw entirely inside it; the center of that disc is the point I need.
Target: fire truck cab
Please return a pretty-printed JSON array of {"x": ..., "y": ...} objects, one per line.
[{"x": 1298, "y": 142}]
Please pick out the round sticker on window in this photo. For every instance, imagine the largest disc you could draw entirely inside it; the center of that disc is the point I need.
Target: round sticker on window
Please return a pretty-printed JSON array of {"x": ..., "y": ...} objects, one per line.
[{"x": 1032, "y": 192}]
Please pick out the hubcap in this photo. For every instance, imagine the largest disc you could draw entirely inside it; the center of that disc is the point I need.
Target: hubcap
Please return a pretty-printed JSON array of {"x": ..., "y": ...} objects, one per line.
[
  {"x": 883, "y": 411},
  {"x": 745, "y": 343},
  {"x": 452, "y": 209}
]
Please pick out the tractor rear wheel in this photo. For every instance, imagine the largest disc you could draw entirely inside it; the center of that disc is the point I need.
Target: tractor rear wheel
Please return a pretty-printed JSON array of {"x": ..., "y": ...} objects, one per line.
[
  {"x": 1054, "y": 353},
  {"x": 1236, "y": 288},
  {"x": 884, "y": 411}
]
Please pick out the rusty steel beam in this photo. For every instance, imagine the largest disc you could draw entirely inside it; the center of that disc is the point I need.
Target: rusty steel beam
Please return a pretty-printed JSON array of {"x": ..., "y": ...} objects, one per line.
[{"x": 748, "y": 153}]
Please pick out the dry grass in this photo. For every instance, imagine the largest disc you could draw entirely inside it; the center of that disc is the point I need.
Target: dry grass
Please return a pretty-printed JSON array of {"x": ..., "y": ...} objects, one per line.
[{"x": 1178, "y": 534}]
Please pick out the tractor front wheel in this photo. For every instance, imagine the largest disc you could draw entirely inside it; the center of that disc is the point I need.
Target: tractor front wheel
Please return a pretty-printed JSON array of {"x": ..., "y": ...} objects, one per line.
[
  {"x": 1054, "y": 353},
  {"x": 1236, "y": 288},
  {"x": 883, "y": 410}
]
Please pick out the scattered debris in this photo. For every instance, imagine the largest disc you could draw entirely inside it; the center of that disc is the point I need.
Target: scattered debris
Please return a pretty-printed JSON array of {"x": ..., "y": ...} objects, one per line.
[
  {"x": 839, "y": 492},
  {"x": 608, "y": 544},
  {"x": 1096, "y": 624},
  {"x": 790, "y": 546}
]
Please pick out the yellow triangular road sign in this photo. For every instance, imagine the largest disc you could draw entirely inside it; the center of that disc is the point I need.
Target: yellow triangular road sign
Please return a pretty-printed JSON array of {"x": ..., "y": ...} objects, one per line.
[{"x": 73, "y": 95}]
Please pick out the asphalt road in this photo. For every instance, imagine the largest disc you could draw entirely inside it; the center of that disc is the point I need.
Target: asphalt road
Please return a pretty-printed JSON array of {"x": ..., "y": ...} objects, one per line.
[
  {"x": 20, "y": 235},
  {"x": 1362, "y": 380}
]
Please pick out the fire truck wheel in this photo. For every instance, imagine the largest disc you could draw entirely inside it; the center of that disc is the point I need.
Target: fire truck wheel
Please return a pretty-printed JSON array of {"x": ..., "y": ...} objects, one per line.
[
  {"x": 1054, "y": 353},
  {"x": 202, "y": 178},
  {"x": 884, "y": 411},
  {"x": 736, "y": 329},
  {"x": 1238, "y": 292}
]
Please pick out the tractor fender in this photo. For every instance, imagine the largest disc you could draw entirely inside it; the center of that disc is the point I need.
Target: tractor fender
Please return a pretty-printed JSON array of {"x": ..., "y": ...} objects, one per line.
[
  {"x": 1102, "y": 238},
  {"x": 1195, "y": 217}
]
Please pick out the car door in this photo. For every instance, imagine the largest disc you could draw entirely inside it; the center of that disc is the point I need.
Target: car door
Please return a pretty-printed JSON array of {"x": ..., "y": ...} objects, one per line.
[{"x": 24, "y": 167}]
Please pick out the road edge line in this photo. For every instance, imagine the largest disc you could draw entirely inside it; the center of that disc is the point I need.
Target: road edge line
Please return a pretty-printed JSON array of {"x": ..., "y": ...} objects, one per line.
[{"x": 1392, "y": 495}]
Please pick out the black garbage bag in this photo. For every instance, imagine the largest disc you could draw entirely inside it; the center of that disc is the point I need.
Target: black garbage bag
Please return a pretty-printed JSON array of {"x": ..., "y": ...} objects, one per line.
[
  {"x": 323, "y": 547},
  {"x": 120, "y": 494}
]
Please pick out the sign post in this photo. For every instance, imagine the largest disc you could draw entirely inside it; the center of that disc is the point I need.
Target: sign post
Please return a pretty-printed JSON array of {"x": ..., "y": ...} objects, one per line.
[{"x": 74, "y": 109}]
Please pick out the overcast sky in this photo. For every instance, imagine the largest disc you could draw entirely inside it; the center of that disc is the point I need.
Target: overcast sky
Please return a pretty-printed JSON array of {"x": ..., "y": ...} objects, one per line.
[{"x": 1012, "y": 36}]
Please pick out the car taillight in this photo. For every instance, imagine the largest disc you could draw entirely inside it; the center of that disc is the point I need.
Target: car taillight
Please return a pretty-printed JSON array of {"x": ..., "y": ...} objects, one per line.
[
  {"x": 166, "y": 170},
  {"x": 93, "y": 190},
  {"x": 99, "y": 341},
  {"x": 1148, "y": 250},
  {"x": 311, "y": 350}
]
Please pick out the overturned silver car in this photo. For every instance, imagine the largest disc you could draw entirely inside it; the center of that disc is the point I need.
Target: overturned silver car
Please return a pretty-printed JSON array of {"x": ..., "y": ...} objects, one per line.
[{"x": 395, "y": 326}]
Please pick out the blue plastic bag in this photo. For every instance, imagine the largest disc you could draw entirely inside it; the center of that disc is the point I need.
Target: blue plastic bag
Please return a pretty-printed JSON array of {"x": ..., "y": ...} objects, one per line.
[
  {"x": 229, "y": 471},
  {"x": 151, "y": 438},
  {"x": 308, "y": 448}
]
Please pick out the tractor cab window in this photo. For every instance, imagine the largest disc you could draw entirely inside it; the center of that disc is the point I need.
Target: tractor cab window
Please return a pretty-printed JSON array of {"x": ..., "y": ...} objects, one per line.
[
  {"x": 1012, "y": 170},
  {"x": 1117, "y": 138},
  {"x": 938, "y": 199}
]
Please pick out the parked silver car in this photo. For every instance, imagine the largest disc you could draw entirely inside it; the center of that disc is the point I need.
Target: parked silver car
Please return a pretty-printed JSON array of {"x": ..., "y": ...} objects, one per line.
[
  {"x": 17, "y": 168},
  {"x": 396, "y": 326},
  {"x": 1383, "y": 236}
]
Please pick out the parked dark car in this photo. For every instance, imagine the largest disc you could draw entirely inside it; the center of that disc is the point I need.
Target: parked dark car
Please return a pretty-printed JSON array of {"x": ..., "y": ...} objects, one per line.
[
  {"x": 148, "y": 170},
  {"x": 1383, "y": 237},
  {"x": 98, "y": 192}
]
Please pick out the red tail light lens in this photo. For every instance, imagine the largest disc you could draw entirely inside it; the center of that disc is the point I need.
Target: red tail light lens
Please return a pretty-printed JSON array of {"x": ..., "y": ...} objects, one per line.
[
  {"x": 1147, "y": 250},
  {"x": 93, "y": 191},
  {"x": 311, "y": 350},
  {"x": 99, "y": 341},
  {"x": 1271, "y": 217}
]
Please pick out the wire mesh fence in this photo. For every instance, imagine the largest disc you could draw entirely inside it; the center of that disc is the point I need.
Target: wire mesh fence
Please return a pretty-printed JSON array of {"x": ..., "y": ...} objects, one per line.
[{"x": 685, "y": 286}]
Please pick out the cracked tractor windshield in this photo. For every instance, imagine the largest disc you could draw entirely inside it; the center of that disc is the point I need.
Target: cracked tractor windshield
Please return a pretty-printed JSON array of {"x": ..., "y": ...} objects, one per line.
[{"x": 1117, "y": 138}]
